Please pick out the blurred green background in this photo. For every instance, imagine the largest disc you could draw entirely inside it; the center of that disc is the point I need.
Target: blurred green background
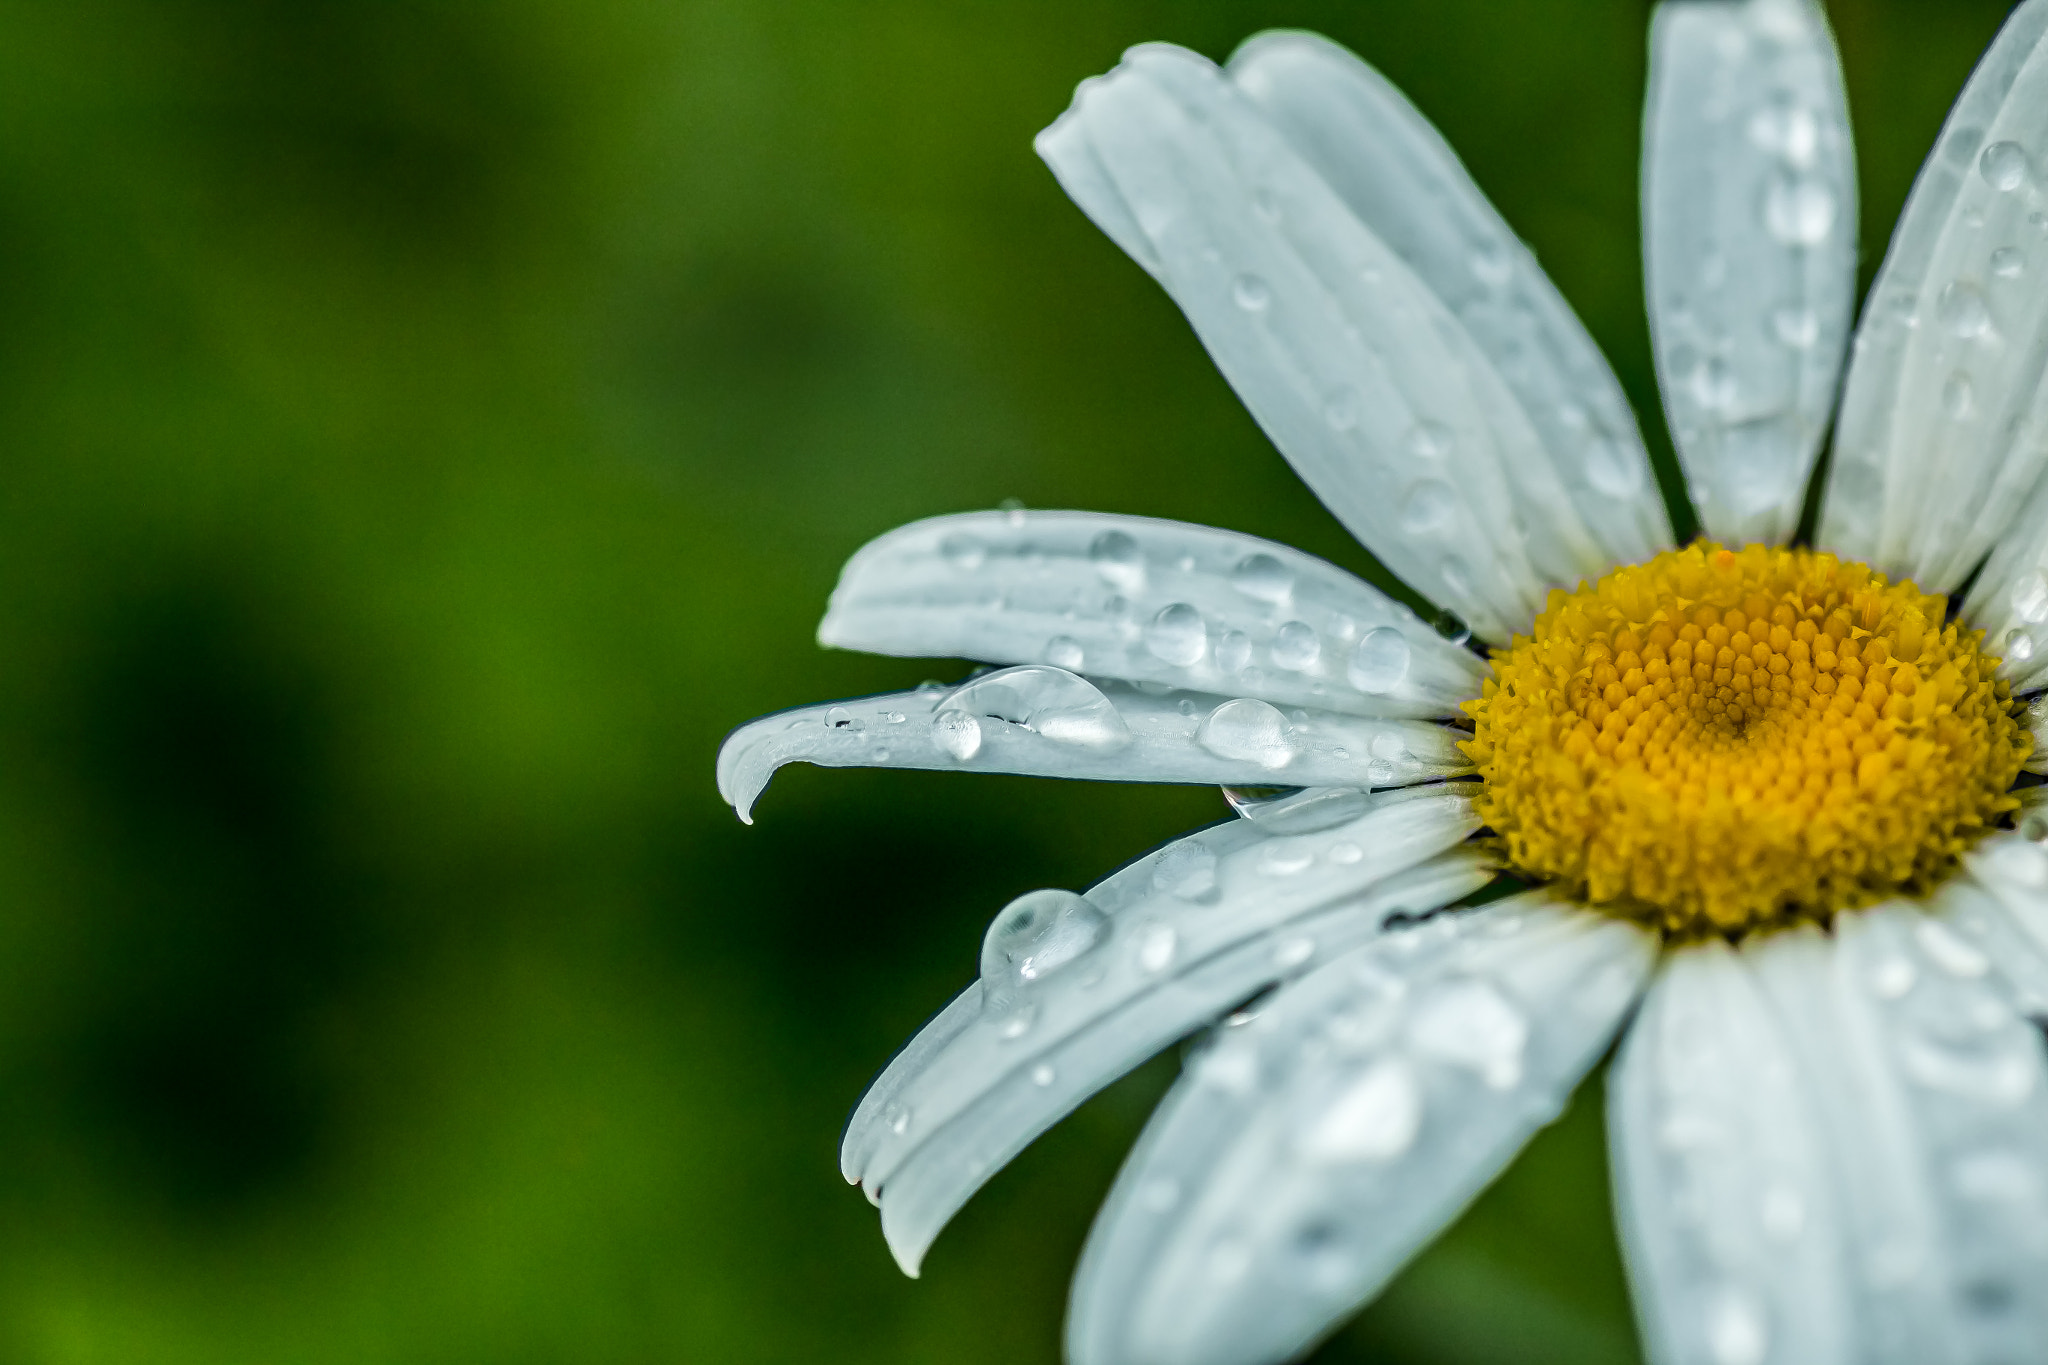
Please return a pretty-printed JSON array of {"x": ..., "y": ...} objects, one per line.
[{"x": 427, "y": 429}]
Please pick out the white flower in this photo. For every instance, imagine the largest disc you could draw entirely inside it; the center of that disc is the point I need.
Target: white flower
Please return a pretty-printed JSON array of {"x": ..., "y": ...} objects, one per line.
[{"x": 1830, "y": 1112}]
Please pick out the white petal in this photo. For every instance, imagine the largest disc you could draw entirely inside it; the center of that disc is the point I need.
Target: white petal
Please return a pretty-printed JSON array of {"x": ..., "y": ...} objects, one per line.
[
  {"x": 1362, "y": 377},
  {"x": 1944, "y": 424},
  {"x": 2009, "y": 603},
  {"x": 1148, "y": 601},
  {"x": 1046, "y": 722},
  {"x": 1172, "y": 942},
  {"x": 1307, "y": 1155},
  {"x": 1396, "y": 173},
  {"x": 1932, "y": 1097},
  {"x": 1749, "y": 207},
  {"x": 2012, "y": 867},
  {"x": 1722, "y": 1184}
]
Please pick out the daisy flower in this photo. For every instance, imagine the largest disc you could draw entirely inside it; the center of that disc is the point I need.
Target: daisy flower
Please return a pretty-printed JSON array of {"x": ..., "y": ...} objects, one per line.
[{"x": 1763, "y": 800}]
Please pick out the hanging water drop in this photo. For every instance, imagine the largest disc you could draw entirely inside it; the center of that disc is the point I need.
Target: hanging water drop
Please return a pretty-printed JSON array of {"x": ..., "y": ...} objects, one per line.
[
  {"x": 1178, "y": 635},
  {"x": 958, "y": 733},
  {"x": 1233, "y": 651},
  {"x": 1380, "y": 662},
  {"x": 2008, "y": 263},
  {"x": 1429, "y": 440}
]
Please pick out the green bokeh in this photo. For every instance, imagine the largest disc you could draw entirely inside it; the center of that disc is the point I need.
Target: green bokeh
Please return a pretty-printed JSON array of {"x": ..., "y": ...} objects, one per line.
[{"x": 427, "y": 429}]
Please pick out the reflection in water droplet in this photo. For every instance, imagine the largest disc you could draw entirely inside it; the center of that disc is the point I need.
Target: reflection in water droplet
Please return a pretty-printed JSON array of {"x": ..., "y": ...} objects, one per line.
[
  {"x": 1251, "y": 293},
  {"x": 1296, "y": 647},
  {"x": 1429, "y": 441},
  {"x": 1247, "y": 730},
  {"x": 1118, "y": 559},
  {"x": 1178, "y": 635},
  {"x": 1049, "y": 701},
  {"x": 1375, "y": 1118},
  {"x": 1187, "y": 871},
  {"x": 1381, "y": 660},
  {"x": 1034, "y": 936},
  {"x": 1346, "y": 854},
  {"x": 1798, "y": 328},
  {"x": 1264, "y": 577},
  {"x": 1064, "y": 651},
  {"x": 839, "y": 718},
  {"x": 1429, "y": 507},
  {"x": 1799, "y": 211},
  {"x": 2004, "y": 166},
  {"x": 1963, "y": 311}
]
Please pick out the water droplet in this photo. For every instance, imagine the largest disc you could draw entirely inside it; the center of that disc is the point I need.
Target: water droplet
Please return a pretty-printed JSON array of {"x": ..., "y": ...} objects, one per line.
[
  {"x": 1429, "y": 440},
  {"x": 1963, "y": 311},
  {"x": 1789, "y": 130},
  {"x": 1118, "y": 559},
  {"x": 1290, "y": 953},
  {"x": 1296, "y": 647},
  {"x": 1264, "y": 577},
  {"x": 1389, "y": 745},
  {"x": 1959, "y": 397},
  {"x": 1799, "y": 211},
  {"x": 1247, "y": 730},
  {"x": 1186, "y": 871},
  {"x": 1178, "y": 635},
  {"x": 963, "y": 552},
  {"x": 1048, "y": 701},
  {"x": 1187, "y": 708},
  {"x": 1375, "y": 1118},
  {"x": 1233, "y": 651},
  {"x": 1493, "y": 267},
  {"x": 1251, "y": 293},
  {"x": 1064, "y": 651},
  {"x": 878, "y": 755},
  {"x": 1470, "y": 1024},
  {"x": 2019, "y": 646},
  {"x": 1035, "y": 936},
  {"x": 1344, "y": 855},
  {"x": 1430, "y": 506},
  {"x": 839, "y": 718},
  {"x": 1798, "y": 328},
  {"x": 2008, "y": 263},
  {"x": 1285, "y": 857},
  {"x": 1340, "y": 409},
  {"x": 1949, "y": 951},
  {"x": 2030, "y": 597},
  {"x": 1613, "y": 471},
  {"x": 1736, "y": 1334},
  {"x": 2004, "y": 166},
  {"x": 1042, "y": 1075},
  {"x": 1892, "y": 978},
  {"x": 1381, "y": 661},
  {"x": 1156, "y": 943}
]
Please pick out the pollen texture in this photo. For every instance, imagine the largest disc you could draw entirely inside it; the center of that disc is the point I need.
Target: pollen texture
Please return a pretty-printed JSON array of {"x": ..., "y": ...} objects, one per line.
[{"x": 1719, "y": 740}]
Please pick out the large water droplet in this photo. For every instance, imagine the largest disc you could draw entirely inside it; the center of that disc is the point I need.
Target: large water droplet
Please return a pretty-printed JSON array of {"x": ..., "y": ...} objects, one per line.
[
  {"x": 1470, "y": 1024},
  {"x": 1118, "y": 559},
  {"x": 1296, "y": 646},
  {"x": 1429, "y": 507},
  {"x": 2030, "y": 597},
  {"x": 963, "y": 552},
  {"x": 1963, "y": 311},
  {"x": 1049, "y": 701},
  {"x": 2004, "y": 166},
  {"x": 1178, "y": 635},
  {"x": 1381, "y": 660},
  {"x": 1064, "y": 651},
  {"x": 1251, "y": 293},
  {"x": 1375, "y": 1118},
  {"x": 1248, "y": 731},
  {"x": 1036, "y": 935},
  {"x": 1799, "y": 211},
  {"x": 1264, "y": 577},
  {"x": 1233, "y": 651},
  {"x": 1186, "y": 871},
  {"x": 1797, "y": 328}
]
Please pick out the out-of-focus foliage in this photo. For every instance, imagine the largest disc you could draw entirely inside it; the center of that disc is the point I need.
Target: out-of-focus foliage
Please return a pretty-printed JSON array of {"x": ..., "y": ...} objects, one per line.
[{"x": 425, "y": 429}]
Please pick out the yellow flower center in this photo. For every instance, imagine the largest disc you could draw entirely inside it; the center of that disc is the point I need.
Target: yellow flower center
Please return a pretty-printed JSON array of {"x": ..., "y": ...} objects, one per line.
[{"x": 1718, "y": 740}]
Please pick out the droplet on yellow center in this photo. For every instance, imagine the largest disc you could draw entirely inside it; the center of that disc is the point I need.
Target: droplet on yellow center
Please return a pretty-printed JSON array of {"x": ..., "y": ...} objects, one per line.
[{"x": 1716, "y": 740}]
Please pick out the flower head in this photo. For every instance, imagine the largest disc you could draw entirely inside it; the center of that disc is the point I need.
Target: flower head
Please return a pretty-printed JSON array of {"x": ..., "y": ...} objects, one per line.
[{"x": 1770, "y": 794}]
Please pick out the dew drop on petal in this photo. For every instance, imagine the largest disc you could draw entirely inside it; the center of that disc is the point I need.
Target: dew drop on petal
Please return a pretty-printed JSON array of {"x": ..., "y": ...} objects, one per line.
[
  {"x": 1963, "y": 311},
  {"x": 2004, "y": 166},
  {"x": 1296, "y": 647},
  {"x": 1381, "y": 660},
  {"x": 1233, "y": 651},
  {"x": 1429, "y": 506},
  {"x": 1178, "y": 635},
  {"x": 1290, "y": 953},
  {"x": 1156, "y": 944},
  {"x": 1247, "y": 730},
  {"x": 958, "y": 733},
  {"x": 1064, "y": 651},
  {"x": 1345, "y": 854},
  {"x": 1285, "y": 857},
  {"x": 1118, "y": 559},
  {"x": 1375, "y": 1118},
  {"x": 1187, "y": 871},
  {"x": 1263, "y": 577},
  {"x": 1251, "y": 293},
  {"x": 1959, "y": 397},
  {"x": 1036, "y": 935}
]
